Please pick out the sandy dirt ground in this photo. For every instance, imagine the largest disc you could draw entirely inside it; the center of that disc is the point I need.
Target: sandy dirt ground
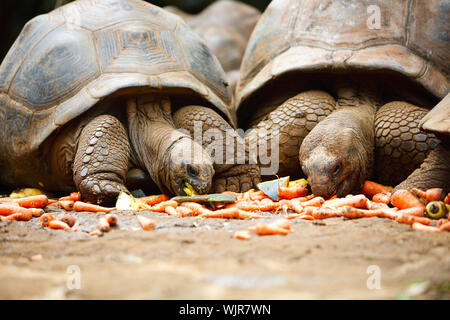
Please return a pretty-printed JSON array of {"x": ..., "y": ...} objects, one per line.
[{"x": 198, "y": 258}]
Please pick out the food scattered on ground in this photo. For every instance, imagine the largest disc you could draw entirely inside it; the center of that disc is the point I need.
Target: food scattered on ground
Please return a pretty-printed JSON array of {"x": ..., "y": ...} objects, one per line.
[{"x": 422, "y": 210}]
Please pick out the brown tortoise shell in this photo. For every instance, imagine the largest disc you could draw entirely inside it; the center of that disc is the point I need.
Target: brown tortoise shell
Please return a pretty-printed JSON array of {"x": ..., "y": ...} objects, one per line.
[
  {"x": 333, "y": 35},
  {"x": 65, "y": 61},
  {"x": 225, "y": 25}
]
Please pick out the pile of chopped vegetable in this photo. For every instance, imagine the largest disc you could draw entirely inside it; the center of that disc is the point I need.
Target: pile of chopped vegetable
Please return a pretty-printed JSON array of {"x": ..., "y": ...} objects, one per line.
[{"x": 423, "y": 210}]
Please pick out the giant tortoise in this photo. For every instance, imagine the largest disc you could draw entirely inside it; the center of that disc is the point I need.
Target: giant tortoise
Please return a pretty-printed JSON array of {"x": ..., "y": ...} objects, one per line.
[
  {"x": 87, "y": 95},
  {"x": 315, "y": 74},
  {"x": 225, "y": 26}
]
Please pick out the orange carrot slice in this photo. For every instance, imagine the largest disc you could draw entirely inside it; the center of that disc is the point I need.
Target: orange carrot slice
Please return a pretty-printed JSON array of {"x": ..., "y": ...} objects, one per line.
[
  {"x": 161, "y": 207},
  {"x": 242, "y": 235},
  {"x": 263, "y": 229},
  {"x": 67, "y": 218},
  {"x": 46, "y": 218},
  {"x": 66, "y": 204},
  {"x": 357, "y": 201},
  {"x": 56, "y": 224},
  {"x": 371, "y": 188},
  {"x": 7, "y": 209},
  {"x": 146, "y": 223},
  {"x": 420, "y": 227},
  {"x": 83, "y": 206},
  {"x": 112, "y": 219},
  {"x": 152, "y": 200},
  {"x": 403, "y": 199},
  {"x": 433, "y": 194},
  {"x": 22, "y": 216},
  {"x": 103, "y": 225},
  {"x": 382, "y": 197}
]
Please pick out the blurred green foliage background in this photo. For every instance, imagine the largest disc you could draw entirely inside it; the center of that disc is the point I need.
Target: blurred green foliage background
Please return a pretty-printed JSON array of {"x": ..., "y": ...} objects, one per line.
[{"x": 15, "y": 13}]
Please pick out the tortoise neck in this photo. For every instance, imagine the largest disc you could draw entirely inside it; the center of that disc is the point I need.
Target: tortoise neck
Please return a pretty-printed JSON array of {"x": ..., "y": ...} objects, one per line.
[{"x": 152, "y": 134}]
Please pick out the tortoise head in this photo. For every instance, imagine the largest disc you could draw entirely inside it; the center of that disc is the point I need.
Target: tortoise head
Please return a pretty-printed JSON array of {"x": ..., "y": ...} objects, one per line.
[
  {"x": 333, "y": 164},
  {"x": 170, "y": 156},
  {"x": 188, "y": 166}
]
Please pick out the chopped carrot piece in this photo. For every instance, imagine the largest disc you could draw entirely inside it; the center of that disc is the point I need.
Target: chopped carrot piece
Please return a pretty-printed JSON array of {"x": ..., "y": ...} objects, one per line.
[
  {"x": 66, "y": 204},
  {"x": 403, "y": 199},
  {"x": 282, "y": 223},
  {"x": 46, "y": 218},
  {"x": 171, "y": 211},
  {"x": 156, "y": 199},
  {"x": 161, "y": 207},
  {"x": 103, "y": 225},
  {"x": 296, "y": 205},
  {"x": 325, "y": 213},
  {"x": 83, "y": 206},
  {"x": 306, "y": 217},
  {"x": 56, "y": 224},
  {"x": 433, "y": 194},
  {"x": 445, "y": 226},
  {"x": 196, "y": 208},
  {"x": 146, "y": 223},
  {"x": 382, "y": 197},
  {"x": 39, "y": 201},
  {"x": 184, "y": 211},
  {"x": 112, "y": 219},
  {"x": 67, "y": 218},
  {"x": 263, "y": 228},
  {"x": 229, "y": 213},
  {"x": 248, "y": 215},
  {"x": 408, "y": 219},
  {"x": 371, "y": 188},
  {"x": 420, "y": 227},
  {"x": 315, "y": 202},
  {"x": 74, "y": 196},
  {"x": 7, "y": 209},
  {"x": 296, "y": 191},
  {"x": 242, "y": 235},
  {"x": 358, "y": 201},
  {"x": 22, "y": 216}
]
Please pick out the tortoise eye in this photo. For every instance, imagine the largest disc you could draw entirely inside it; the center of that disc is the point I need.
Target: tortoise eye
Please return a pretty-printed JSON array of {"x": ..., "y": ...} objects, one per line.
[
  {"x": 337, "y": 169},
  {"x": 192, "y": 171}
]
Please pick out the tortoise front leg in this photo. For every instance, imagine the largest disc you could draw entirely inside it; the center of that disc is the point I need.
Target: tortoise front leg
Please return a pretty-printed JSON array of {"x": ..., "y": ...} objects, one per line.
[
  {"x": 232, "y": 169},
  {"x": 434, "y": 172},
  {"x": 101, "y": 160},
  {"x": 407, "y": 156},
  {"x": 292, "y": 121}
]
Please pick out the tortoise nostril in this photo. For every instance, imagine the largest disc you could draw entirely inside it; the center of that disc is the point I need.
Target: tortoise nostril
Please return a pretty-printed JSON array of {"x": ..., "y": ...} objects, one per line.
[{"x": 192, "y": 171}]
